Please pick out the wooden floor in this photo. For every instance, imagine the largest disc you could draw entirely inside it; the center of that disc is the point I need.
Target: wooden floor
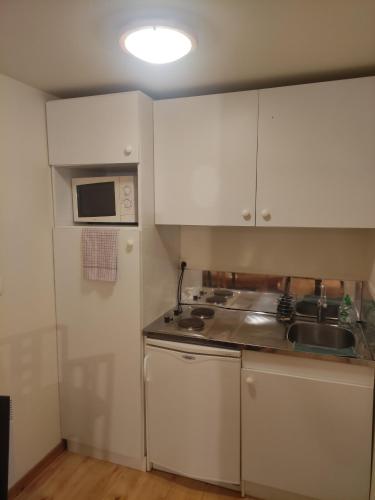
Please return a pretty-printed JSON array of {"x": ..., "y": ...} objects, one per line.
[{"x": 74, "y": 477}]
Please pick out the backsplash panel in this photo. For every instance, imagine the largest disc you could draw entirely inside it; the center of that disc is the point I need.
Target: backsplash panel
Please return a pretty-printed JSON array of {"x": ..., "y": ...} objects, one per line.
[
  {"x": 322, "y": 253},
  {"x": 305, "y": 290}
]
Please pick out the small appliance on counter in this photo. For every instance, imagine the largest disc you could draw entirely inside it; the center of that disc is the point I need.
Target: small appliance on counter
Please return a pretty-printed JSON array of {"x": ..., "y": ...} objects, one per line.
[{"x": 105, "y": 199}]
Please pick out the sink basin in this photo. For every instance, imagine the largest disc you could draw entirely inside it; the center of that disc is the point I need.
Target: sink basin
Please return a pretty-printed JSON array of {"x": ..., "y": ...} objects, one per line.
[
  {"x": 310, "y": 309},
  {"x": 321, "y": 335}
]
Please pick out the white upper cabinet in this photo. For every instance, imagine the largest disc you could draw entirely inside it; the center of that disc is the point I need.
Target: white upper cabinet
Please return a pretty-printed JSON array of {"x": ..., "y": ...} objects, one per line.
[
  {"x": 316, "y": 155},
  {"x": 205, "y": 159},
  {"x": 94, "y": 130}
]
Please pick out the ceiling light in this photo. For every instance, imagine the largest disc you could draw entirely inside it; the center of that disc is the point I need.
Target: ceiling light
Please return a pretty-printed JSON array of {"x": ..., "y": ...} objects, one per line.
[{"x": 157, "y": 44}]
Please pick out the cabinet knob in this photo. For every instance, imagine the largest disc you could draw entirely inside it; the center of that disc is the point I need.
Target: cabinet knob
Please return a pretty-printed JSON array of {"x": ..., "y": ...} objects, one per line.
[
  {"x": 128, "y": 150},
  {"x": 246, "y": 214},
  {"x": 130, "y": 244},
  {"x": 266, "y": 214},
  {"x": 250, "y": 380}
]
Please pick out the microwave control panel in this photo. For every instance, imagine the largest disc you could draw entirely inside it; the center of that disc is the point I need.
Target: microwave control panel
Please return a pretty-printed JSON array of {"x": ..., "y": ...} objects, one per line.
[{"x": 128, "y": 198}]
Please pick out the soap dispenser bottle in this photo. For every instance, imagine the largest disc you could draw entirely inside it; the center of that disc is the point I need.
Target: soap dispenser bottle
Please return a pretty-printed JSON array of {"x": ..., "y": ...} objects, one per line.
[{"x": 347, "y": 315}]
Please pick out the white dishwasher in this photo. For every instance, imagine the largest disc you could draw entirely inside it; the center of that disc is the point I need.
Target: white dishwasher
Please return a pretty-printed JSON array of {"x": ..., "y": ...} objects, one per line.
[{"x": 193, "y": 410}]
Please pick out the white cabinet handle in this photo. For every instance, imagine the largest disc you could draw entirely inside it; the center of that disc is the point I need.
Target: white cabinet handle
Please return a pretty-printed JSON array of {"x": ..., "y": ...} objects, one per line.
[
  {"x": 246, "y": 214},
  {"x": 250, "y": 380},
  {"x": 129, "y": 244},
  {"x": 128, "y": 150},
  {"x": 266, "y": 214}
]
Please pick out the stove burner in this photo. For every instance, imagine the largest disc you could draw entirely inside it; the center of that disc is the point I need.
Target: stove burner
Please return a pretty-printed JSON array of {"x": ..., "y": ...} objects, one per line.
[
  {"x": 223, "y": 292},
  {"x": 191, "y": 324},
  {"x": 203, "y": 312},
  {"x": 216, "y": 299}
]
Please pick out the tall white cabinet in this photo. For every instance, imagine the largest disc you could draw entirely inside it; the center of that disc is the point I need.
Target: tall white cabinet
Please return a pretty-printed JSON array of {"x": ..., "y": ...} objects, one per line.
[
  {"x": 99, "y": 323},
  {"x": 205, "y": 159},
  {"x": 99, "y": 326}
]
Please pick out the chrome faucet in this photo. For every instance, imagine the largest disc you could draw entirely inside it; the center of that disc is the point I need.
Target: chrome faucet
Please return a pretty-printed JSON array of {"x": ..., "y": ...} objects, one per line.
[{"x": 321, "y": 312}]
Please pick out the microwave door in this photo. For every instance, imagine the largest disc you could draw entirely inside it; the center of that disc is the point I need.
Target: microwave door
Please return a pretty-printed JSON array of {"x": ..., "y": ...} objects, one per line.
[{"x": 97, "y": 202}]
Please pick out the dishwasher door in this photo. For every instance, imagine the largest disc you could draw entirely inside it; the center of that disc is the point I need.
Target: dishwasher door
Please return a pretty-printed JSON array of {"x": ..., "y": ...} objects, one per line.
[{"x": 193, "y": 410}]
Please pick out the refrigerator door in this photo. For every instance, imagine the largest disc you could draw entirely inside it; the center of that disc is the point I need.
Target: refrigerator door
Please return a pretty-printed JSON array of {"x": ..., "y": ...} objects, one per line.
[{"x": 193, "y": 412}]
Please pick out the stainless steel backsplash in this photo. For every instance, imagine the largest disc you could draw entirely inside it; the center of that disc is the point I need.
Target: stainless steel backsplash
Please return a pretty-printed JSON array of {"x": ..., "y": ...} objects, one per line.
[{"x": 302, "y": 288}]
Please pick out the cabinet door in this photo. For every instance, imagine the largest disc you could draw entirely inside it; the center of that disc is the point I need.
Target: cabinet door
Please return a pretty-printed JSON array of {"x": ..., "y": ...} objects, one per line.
[
  {"x": 93, "y": 130},
  {"x": 316, "y": 155},
  {"x": 306, "y": 436},
  {"x": 193, "y": 413},
  {"x": 205, "y": 159},
  {"x": 100, "y": 345}
]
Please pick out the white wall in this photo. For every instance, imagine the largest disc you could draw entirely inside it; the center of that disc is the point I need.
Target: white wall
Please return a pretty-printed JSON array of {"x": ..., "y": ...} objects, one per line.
[
  {"x": 325, "y": 253},
  {"x": 28, "y": 361}
]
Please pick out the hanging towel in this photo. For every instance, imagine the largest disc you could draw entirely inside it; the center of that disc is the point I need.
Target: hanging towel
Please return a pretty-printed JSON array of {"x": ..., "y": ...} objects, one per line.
[{"x": 99, "y": 254}]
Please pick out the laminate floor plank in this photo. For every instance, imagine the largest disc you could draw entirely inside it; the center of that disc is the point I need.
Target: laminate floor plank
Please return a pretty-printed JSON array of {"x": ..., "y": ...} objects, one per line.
[{"x": 74, "y": 477}]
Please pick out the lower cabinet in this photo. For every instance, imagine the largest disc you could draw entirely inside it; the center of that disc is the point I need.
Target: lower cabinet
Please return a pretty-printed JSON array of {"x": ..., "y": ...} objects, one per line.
[
  {"x": 193, "y": 410},
  {"x": 306, "y": 428}
]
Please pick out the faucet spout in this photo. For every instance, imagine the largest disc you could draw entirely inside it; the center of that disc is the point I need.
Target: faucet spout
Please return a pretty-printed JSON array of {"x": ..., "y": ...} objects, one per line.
[{"x": 321, "y": 312}]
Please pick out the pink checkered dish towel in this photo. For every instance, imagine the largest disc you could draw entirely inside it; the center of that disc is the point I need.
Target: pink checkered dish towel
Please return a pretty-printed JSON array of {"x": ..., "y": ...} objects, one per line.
[{"x": 99, "y": 254}]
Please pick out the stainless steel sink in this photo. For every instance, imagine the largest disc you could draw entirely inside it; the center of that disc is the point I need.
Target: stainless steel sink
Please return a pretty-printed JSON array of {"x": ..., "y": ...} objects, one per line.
[{"x": 321, "y": 335}]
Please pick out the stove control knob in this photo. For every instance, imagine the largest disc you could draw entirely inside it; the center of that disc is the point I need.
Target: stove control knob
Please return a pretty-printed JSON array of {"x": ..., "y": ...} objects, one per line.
[
  {"x": 246, "y": 214},
  {"x": 195, "y": 297}
]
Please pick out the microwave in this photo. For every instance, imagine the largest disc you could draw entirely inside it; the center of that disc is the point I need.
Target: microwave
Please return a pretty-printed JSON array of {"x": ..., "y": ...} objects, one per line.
[{"x": 105, "y": 199}]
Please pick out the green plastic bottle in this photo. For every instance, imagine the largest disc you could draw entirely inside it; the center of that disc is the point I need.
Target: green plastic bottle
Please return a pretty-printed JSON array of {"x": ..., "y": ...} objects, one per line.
[{"x": 346, "y": 311}]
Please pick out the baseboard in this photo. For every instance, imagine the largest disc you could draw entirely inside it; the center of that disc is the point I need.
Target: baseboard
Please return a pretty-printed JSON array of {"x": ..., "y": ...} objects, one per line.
[
  {"x": 21, "y": 484},
  {"x": 229, "y": 486},
  {"x": 115, "y": 458},
  {"x": 268, "y": 493}
]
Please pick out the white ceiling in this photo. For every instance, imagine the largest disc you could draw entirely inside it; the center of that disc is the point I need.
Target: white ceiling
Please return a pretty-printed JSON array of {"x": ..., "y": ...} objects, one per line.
[{"x": 70, "y": 47}]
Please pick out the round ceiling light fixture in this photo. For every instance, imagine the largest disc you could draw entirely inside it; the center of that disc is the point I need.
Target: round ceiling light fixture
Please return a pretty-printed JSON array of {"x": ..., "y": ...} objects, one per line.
[{"x": 157, "y": 44}]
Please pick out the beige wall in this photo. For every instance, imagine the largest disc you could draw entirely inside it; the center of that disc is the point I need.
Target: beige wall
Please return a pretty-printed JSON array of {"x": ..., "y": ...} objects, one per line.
[
  {"x": 326, "y": 253},
  {"x": 28, "y": 362}
]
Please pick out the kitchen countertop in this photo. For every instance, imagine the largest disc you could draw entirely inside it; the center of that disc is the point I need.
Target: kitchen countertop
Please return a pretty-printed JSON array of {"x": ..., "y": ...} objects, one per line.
[{"x": 259, "y": 331}]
